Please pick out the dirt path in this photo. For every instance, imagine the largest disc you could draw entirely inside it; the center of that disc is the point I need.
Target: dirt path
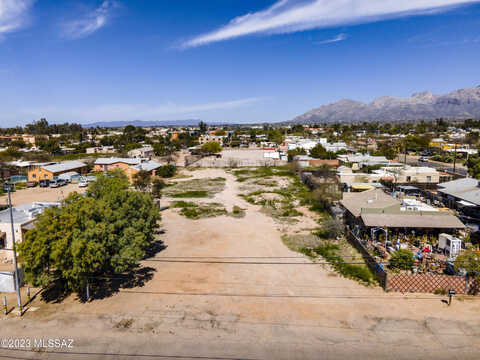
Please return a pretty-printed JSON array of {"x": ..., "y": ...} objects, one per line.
[{"x": 240, "y": 293}]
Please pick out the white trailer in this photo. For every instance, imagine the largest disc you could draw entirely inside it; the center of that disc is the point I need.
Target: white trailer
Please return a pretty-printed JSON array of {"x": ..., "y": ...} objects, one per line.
[{"x": 449, "y": 244}]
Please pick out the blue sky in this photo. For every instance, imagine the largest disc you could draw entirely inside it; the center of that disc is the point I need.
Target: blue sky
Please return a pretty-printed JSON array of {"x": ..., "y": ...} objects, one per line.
[{"x": 226, "y": 60}]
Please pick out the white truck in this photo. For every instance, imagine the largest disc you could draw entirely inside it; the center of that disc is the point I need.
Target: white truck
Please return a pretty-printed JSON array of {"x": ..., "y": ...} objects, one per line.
[{"x": 450, "y": 245}]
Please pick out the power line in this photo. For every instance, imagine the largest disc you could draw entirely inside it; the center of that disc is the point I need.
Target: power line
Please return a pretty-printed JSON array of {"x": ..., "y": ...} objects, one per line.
[
  {"x": 386, "y": 297},
  {"x": 252, "y": 262},
  {"x": 128, "y": 355}
]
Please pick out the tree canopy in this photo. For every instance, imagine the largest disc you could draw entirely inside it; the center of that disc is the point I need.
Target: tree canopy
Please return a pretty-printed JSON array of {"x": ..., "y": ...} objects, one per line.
[
  {"x": 319, "y": 152},
  {"x": 105, "y": 232},
  {"x": 212, "y": 147}
]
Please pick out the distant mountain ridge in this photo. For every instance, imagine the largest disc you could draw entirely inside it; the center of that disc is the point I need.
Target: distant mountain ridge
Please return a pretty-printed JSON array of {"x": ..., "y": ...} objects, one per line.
[{"x": 459, "y": 104}]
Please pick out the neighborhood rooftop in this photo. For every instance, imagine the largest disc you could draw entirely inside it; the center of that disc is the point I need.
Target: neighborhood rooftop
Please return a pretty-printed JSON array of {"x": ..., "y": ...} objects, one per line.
[
  {"x": 65, "y": 166},
  {"x": 413, "y": 220},
  {"x": 467, "y": 189},
  {"x": 114, "y": 160},
  {"x": 25, "y": 212},
  {"x": 377, "y": 198}
]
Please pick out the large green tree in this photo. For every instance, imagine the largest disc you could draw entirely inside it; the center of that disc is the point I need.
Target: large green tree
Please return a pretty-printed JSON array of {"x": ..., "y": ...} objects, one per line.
[{"x": 105, "y": 232}]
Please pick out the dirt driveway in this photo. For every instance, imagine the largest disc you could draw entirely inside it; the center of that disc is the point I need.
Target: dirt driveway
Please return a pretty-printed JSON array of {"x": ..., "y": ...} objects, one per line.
[{"x": 227, "y": 288}]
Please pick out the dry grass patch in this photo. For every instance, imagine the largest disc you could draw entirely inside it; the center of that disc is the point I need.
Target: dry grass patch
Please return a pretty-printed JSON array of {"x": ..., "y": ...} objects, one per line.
[
  {"x": 196, "y": 211},
  {"x": 196, "y": 188}
]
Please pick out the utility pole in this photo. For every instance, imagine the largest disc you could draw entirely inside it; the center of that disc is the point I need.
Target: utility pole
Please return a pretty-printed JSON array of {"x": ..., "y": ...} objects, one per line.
[
  {"x": 455, "y": 159},
  {"x": 405, "y": 154},
  {"x": 17, "y": 281}
]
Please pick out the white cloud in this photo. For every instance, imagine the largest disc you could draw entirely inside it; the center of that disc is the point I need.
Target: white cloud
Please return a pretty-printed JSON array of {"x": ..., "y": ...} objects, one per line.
[
  {"x": 13, "y": 15},
  {"x": 287, "y": 16},
  {"x": 339, "y": 37},
  {"x": 119, "y": 112},
  {"x": 90, "y": 22}
]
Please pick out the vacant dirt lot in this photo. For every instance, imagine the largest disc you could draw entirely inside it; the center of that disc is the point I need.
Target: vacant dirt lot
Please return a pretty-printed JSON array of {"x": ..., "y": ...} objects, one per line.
[
  {"x": 42, "y": 194},
  {"x": 228, "y": 288}
]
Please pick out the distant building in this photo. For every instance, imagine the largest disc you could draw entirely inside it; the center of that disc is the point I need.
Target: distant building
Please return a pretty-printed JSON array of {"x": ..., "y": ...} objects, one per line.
[
  {"x": 143, "y": 152},
  {"x": 100, "y": 150},
  {"x": 357, "y": 161},
  {"x": 209, "y": 138},
  {"x": 307, "y": 161}
]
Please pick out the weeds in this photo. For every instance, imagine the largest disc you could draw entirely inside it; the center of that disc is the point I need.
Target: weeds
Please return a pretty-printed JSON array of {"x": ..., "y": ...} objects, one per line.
[
  {"x": 198, "y": 211},
  {"x": 191, "y": 194},
  {"x": 196, "y": 188},
  {"x": 237, "y": 212},
  {"x": 330, "y": 251}
]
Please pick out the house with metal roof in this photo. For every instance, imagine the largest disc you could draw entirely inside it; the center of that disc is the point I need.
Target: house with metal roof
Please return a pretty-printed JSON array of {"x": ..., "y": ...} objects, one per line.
[
  {"x": 462, "y": 190},
  {"x": 107, "y": 164},
  {"x": 374, "y": 208},
  {"x": 130, "y": 166},
  {"x": 24, "y": 217},
  {"x": 53, "y": 171}
]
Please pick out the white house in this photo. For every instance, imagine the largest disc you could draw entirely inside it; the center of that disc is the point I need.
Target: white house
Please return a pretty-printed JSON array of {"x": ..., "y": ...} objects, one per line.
[{"x": 24, "y": 217}]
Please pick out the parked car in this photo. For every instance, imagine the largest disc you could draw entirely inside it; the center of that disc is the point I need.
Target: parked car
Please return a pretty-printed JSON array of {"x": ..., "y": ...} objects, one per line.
[
  {"x": 54, "y": 183},
  {"x": 44, "y": 183},
  {"x": 423, "y": 159},
  {"x": 426, "y": 153},
  {"x": 62, "y": 182},
  {"x": 83, "y": 183},
  {"x": 31, "y": 184}
]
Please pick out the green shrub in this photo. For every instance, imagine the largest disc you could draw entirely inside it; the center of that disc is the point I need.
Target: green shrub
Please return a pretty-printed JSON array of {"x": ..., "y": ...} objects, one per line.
[
  {"x": 402, "y": 259},
  {"x": 166, "y": 171},
  {"x": 352, "y": 271}
]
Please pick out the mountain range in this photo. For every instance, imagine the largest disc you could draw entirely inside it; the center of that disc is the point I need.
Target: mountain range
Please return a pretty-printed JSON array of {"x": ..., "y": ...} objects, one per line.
[{"x": 459, "y": 104}]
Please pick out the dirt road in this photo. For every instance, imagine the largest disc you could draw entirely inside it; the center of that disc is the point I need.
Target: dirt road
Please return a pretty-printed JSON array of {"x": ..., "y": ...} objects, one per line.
[{"x": 228, "y": 288}]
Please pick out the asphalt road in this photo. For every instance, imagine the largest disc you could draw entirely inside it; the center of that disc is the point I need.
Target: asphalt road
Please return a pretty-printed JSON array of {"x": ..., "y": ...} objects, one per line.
[{"x": 413, "y": 160}]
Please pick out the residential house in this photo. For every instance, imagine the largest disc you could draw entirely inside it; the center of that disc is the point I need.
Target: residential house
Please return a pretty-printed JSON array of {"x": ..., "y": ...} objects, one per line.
[
  {"x": 50, "y": 171},
  {"x": 107, "y": 164},
  {"x": 422, "y": 176},
  {"x": 462, "y": 195},
  {"x": 24, "y": 217},
  {"x": 373, "y": 209},
  {"x": 128, "y": 165}
]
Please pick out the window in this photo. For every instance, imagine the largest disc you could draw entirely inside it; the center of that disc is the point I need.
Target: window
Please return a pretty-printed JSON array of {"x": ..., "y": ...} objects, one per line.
[
  {"x": 3, "y": 240},
  {"x": 409, "y": 178},
  {"x": 429, "y": 179},
  {"x": 34, "y": 176}
]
